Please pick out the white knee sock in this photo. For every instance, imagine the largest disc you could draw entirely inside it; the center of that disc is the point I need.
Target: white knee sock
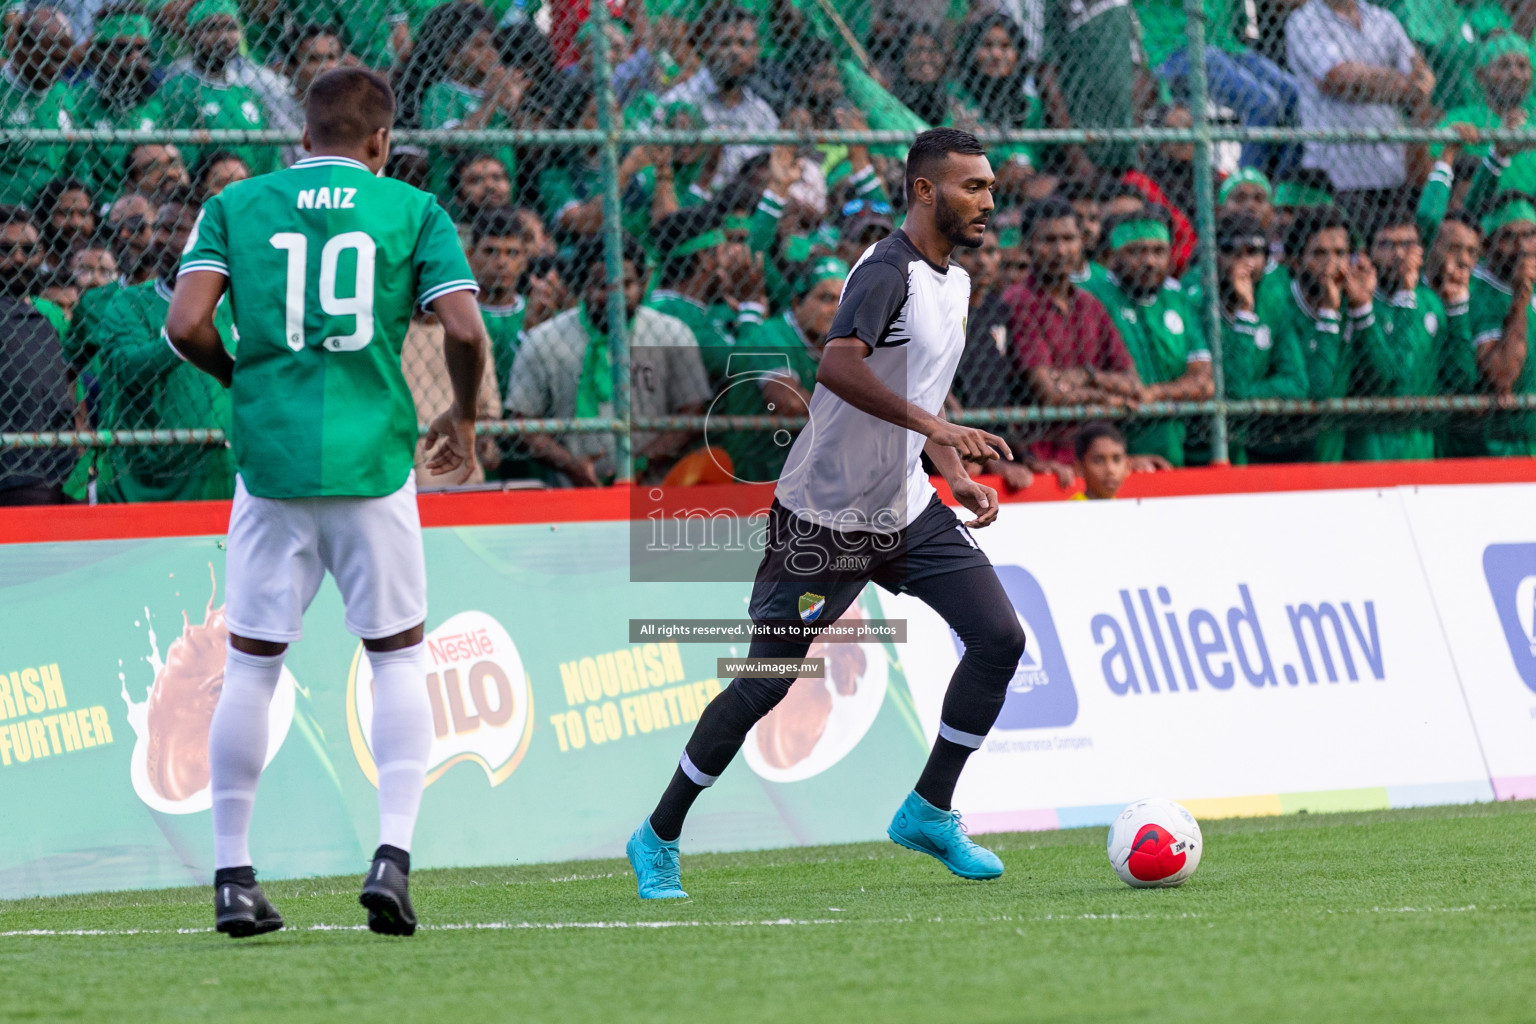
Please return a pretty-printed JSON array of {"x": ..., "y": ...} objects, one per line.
[
  {"x": 402, "y": 739},
  {"x": 237, "y": 749}
]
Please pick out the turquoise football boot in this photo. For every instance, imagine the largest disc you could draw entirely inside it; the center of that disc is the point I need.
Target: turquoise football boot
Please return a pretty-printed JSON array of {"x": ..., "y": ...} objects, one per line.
[
  {"x": 655, "y": 864},
  {"x": 920, "y": 826}
]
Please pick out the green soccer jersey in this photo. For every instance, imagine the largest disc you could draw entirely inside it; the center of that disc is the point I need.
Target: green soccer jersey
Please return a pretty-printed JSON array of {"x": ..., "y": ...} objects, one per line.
[
  {"x": 1260, "y": 362},
  {"x": 80, "y": 343},
  {"x": 325, "y": 263},
  {"x": 714, "y": 345},
  {"x": 1449, "y": 33},
  {"x": 1504, "y": 433},
  {"x": 505, "y": 326},
  {"x": 26, "y": 167},
  {"x": 104, "y": 163},
  {"x": 1397, "y": 353},
  {"x": 1162, "y": 334},
  {"x": 192, "y": 101},
  {"x": 146, "y": 385}
]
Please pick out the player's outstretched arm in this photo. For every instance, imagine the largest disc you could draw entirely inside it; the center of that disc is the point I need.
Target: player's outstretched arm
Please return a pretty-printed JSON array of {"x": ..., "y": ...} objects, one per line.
[
  {"x": 189, "y": 324},
  {"x": 843, "y": 372},
  {"x": 451, "y": 437}
]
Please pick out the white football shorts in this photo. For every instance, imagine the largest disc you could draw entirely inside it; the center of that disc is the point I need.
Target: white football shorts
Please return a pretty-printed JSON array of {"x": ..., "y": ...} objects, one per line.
[{"x": 280, "y": 549}]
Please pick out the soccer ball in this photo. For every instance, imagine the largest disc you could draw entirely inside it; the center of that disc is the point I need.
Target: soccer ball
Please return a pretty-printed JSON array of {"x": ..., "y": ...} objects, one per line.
[{"x": 1154, "y": 843}]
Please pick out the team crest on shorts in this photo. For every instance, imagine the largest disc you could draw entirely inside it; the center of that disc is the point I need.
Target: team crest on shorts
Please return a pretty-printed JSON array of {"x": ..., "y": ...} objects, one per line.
[{"x": 811, "y": 606}]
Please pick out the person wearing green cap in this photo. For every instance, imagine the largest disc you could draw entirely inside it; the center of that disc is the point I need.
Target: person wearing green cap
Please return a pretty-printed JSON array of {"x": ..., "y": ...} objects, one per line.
[
  {"x": 774, "y": 372},
  {"x": 696, "y": 271},
  {"x": 1398, "y": 349},
  {"x": 1159, "y": 327},
  {"x": 33, "y": 96},
  {"x": 120, "y": 91},
  {"x": 147, "y": 385},
  {"x": 1502, "y": 325},
  {"x": 1449, "y": 33},
  {"x": 1246, "y": 192},
  {"x": 1504, "y": 99},
  {"x": 203, "y": 96}
]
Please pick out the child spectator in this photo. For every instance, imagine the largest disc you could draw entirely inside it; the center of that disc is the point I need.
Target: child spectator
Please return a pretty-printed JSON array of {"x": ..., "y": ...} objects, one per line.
[{"x": 1099, "y": 458}]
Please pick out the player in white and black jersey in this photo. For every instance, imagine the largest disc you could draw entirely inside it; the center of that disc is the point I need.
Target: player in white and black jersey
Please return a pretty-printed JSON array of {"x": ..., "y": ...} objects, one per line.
[{"x": 853, "y": 505}]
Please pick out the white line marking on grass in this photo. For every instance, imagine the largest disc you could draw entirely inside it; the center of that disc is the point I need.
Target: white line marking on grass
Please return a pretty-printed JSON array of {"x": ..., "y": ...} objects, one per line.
[
  {"x": 449, "y": 927},
  {"x": 780, "y": 922}
]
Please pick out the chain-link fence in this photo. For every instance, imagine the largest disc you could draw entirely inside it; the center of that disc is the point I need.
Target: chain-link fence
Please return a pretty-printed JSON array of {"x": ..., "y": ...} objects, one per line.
[{"x": 1318, "y": 243}]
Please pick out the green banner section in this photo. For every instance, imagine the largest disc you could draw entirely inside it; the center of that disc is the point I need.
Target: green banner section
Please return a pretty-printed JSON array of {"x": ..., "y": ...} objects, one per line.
[{"x": 553, "y": 734}]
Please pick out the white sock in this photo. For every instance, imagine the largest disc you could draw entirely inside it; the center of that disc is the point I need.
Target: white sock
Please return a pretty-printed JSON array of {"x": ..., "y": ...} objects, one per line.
[
  {"x": 402, "y": 739},
  {"x": 237, "y": 749}
]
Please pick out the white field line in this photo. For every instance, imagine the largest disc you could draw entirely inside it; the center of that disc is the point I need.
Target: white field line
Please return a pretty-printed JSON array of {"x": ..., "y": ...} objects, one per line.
[{"x": 495, "y": 926}]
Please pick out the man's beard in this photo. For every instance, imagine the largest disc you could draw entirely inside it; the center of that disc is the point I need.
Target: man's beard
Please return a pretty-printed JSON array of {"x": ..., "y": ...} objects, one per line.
[
  {"x": 952, "y": 227},
  {"x": 1389, "y": 279},
  {"x": 1507, "y": 99},
  {"x": 1136, "y": 290},
  {"x": 728, "y": 81}
]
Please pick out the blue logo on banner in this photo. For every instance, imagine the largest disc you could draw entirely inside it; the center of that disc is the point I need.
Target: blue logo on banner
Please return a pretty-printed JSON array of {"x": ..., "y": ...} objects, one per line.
[
  {"x": 1041, "y": 694},
  {"x": 1511, "y": 572}
]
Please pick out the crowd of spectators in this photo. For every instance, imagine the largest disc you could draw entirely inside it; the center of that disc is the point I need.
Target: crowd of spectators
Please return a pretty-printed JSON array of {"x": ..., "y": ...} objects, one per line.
[{"x": 1346, "y": 268}]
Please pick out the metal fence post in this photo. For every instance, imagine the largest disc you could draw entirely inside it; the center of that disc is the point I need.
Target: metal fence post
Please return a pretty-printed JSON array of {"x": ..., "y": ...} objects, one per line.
[
  {"x": 1205, "y": 221},
  {"x": 613, "y": 237}
]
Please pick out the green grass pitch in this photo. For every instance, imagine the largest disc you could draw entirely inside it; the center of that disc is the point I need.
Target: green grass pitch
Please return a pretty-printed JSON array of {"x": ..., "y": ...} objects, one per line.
[{"x": 1422, "y": 915}]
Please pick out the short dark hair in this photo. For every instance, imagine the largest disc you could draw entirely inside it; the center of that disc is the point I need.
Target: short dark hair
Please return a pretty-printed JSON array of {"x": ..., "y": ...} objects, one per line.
[
  {"x": 590, "y": 250},
  {"x": 1122, "y": 190},
  {"x": 1040, "y": 210},
  {"x": 1077, "y": 189},
  {"x": 294, "y": 38},
  {"x": 15, "y": 213},
  {"x": 465, "y": 162},
  {"x": 49, "y": 195},
  {"x": 1311, "y": 221},
  {"x": 1400, "y": 210},
  {"x": 716, "y": 18},
  {"x": 736, "y": 195},
  {"x": 1464, "y": 218},
  {"x": 809, "y": 54},
  {"x": 497, "y": 222},
  {"x": 208, "y": 160},
  {"x": 347, "y": 105},
  {"x": 931, "y": 148},
  {"x": 1091, "y": 432},
  {"x": 410, "y": 165}
]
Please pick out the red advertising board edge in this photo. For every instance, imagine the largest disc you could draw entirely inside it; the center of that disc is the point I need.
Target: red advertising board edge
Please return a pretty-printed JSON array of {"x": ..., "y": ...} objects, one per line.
[{"x": 203, "y": 518}]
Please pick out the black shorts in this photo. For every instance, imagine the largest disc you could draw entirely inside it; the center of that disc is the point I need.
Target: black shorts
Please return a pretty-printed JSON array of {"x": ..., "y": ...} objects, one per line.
[{"x": 811, "y": 573}]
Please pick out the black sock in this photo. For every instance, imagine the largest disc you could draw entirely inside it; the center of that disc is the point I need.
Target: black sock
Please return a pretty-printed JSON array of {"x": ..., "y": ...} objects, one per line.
[
  {"x": 241, "y": 876},
  {"x": 667, "y": 818},
  {"x": 937, "y": 783},
  {"x": 396, "y": 856},
  {"x": 717, "y": 737}
]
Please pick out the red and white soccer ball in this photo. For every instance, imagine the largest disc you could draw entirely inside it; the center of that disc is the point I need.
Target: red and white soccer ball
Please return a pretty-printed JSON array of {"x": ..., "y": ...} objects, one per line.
[{"x": 1154, "y": 843}]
